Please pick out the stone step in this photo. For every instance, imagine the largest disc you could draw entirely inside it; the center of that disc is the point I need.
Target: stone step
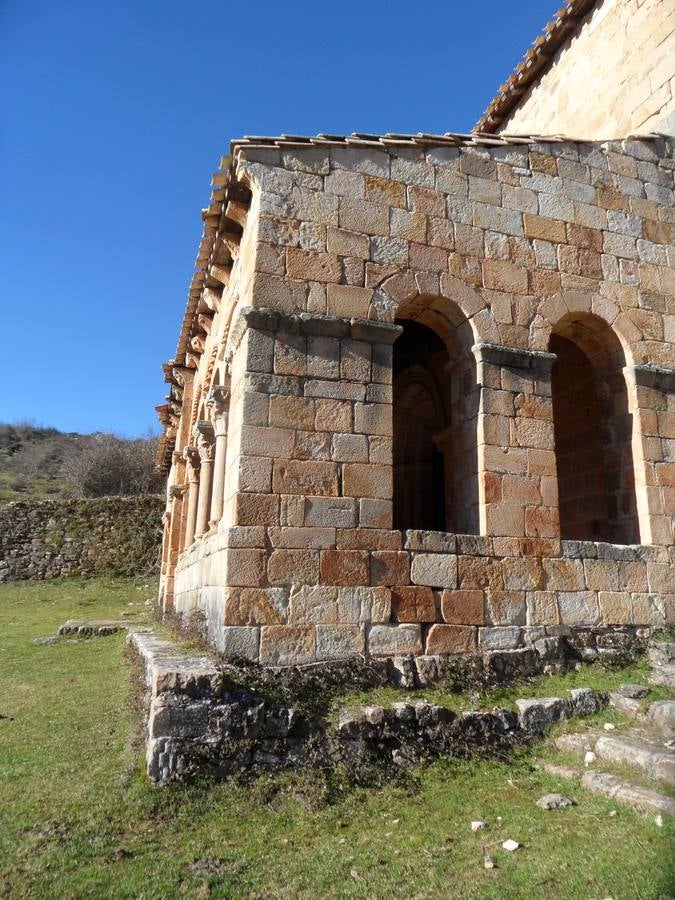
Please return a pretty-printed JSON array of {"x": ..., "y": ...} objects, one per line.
[
  {"x": 640, "y": 752},
  {"x": 662, "y": 716},
  {"x": 637, "y": 796},
  {"x": 628, "y": 706},
  {"x": 661, "y": 653},
  {"x": 651, "y": 758},
  {"x": 663, "y": 675}
]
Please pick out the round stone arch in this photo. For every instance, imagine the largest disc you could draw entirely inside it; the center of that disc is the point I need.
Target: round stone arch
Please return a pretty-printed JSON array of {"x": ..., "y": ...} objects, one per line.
[
  {"x": 595, "y": 426},
  {"x": 449, "y": 297},
  {"x": 570, "y": 303},
  {"x": 436, "y": 397}
]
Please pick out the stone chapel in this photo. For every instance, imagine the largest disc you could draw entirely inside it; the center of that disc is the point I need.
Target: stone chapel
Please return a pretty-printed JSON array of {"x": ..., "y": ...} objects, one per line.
[{"x": 422, "y": 400}]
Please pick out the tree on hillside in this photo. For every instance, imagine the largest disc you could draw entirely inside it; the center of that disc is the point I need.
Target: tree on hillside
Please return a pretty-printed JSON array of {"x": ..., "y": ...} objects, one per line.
[{"x": 108, "y": 465}]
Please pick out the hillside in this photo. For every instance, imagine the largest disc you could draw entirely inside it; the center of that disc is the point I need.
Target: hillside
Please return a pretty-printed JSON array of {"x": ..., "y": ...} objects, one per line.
[{"x": 41, "y": 463}]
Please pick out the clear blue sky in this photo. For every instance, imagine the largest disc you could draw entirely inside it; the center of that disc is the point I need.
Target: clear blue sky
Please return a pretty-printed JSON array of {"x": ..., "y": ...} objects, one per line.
[{"x": 113, "y": 117}]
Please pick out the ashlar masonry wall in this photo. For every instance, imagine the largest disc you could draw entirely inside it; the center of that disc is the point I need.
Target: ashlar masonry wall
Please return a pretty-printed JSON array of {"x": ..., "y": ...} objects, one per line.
[
  {"x": 510, "y": 246},
  {"x": 614, "y": 77}
]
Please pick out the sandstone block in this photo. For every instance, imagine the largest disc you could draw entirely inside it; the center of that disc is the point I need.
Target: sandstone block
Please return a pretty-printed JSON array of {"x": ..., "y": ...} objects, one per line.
[
  {"x": 395, "y": 640},
  {"x": 255, "y": 474},
  {"x": 323, "y": 357},
  {"x": 258, "y": 606},
  {"x": 347, "y": 243},
  {"x": 245, "y": 568},
  {"x": 308, "y": 265},
  {"x": 236, "y": 642},
  {"x": 389, "y": 567},
  {"x": 305, "y": 477},
  {"x": 287, "y": 645},
  {"x": 344, "y": 567},
  {"x": 601, "y": 574},
  {"x": 578, "y": 608},
  {"x": 312, "y": 604},
  {"x": 384, "y": 191},
  {"x": 348, "y": 300},
  {"x": 256, "y": 509},
  {"x": 333, "y": 415},
  {"x": 339, "y": 641},
  {"x": 615, "y": 608},
  {"x": 544, "y": 228},
  {"x": 434, "y": 570},
  {"x": 563, "y": 574},
  {"x": 358, "y": 605},
  {"x": 367, "y": 481},
  {"x": 444, "y": 639},
  {"x": 373, "y": 418},
  {"x": 291, "y": 412},
  {"x": 350, "y": 448},
  {"x": 355, "y": 361},
  {"x": 413, "y": 604},
  {"x": 506, "y": 608},
  {"x": 542, "y": 608},
  {"x": 507, "y": 637},
  {"x": 286, "y": 567},
  {"x": 260, "y": 441},
  {"x": 463, "y": 607},
  {"x": 375, "y": 513},
  {"x": 302, "y": 537},
  {"x": 333, "y": 512},
  {"x": 363, "y": 216}
]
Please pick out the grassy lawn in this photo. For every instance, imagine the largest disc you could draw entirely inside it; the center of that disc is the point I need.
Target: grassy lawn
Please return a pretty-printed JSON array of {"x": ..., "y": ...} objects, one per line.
[{"x": 78, "y": 818}]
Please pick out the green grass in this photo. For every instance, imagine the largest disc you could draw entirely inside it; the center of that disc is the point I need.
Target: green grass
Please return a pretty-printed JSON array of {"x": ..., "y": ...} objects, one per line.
[{"x": 78, "y": 818}]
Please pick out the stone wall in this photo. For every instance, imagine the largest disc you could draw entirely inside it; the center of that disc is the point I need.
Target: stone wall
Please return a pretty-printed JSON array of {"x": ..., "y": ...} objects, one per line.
[
  {"x": 614, "y": 77},
  {"x": 202, "y": 719},
  {"x": 53, "y": 538},
  {"x": 507, "y": 254}
]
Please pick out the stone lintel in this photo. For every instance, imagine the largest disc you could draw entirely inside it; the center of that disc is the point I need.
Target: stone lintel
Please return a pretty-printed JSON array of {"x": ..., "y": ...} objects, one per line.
[
  {"x": 654, "y": 377},
  {"x": 266, "y": 319},
  {"x": 513, "y": 357}
]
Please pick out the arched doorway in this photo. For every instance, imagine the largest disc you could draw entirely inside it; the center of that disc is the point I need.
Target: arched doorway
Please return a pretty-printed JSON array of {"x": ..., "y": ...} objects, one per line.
[
  {"x": 435, "y": 416},
  {"x": 593, "y": 431}
]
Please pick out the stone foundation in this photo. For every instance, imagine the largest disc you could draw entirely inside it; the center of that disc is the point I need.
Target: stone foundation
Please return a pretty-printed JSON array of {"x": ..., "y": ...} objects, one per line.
[
  {"x": 202, "y": 719},
  {"x": 427, "y": 593}
]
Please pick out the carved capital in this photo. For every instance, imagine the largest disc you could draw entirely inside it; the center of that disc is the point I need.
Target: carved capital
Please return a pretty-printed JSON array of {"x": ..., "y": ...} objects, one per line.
[
  {"x": 176, "y": 491},
  {"x": 191, "y": 455},
  {"x": 204, "y": 436}
]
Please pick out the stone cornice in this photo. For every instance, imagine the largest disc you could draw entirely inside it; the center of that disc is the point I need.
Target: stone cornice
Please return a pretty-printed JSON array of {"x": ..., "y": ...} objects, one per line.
[
  {"x": 513, "y": 357},
  {"x": 265, "y": 319},
  {"x": 654, "y": 377}
]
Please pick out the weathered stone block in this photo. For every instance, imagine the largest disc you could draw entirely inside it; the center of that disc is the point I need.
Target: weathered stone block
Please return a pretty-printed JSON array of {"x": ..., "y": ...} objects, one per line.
[
  {"x": 395, "y": 640},
  {"x": 344, "y": 567},
  {"x": 444, "y": 639},
  {"x": 463, "y": 607},
  {"x": 287, "y": 645},
  {"x": 413, "y": 604},
  {"x": 389, "y": 567},
  {"x": 434, "y": 570},
  {"x": 536, "y": 715},
  {"x": 339, "y": 641}
]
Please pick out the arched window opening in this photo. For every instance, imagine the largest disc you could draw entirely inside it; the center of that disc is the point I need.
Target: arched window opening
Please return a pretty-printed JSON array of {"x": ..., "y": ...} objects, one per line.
[
  {"x": 435, "y": 417},
  {"x": 592, "y": 430}
]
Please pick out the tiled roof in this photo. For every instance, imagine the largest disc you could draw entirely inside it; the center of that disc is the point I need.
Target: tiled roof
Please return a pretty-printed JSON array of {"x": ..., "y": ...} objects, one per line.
[{"x": 535, "y": 63}]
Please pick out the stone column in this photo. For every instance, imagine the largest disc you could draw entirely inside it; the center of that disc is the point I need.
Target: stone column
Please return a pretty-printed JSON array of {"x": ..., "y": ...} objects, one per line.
[
  {"x": 191, "y": 455},
  {"x": 516, "y": 449},
  {"x": 203, "y": 432},
  {"x": 218, "y": 403}
]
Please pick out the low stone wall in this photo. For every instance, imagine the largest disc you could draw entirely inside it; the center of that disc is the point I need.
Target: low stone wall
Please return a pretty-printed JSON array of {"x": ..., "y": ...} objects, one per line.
[
  {"x": 422, "y": 593},
  {"x": 202, "y": 718},
  {"x": 53, "y": 538}
]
